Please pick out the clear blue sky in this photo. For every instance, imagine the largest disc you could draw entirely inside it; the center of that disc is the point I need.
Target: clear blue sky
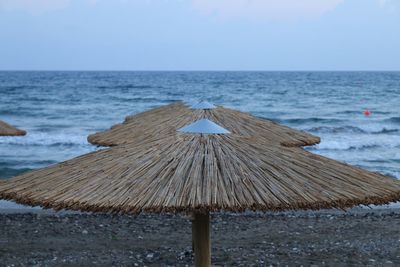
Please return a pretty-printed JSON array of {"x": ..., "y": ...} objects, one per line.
[{"x": 200, "y": 35}]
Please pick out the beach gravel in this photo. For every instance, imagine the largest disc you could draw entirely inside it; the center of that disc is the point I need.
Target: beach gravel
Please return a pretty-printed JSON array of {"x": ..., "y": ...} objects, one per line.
[{"x": 329, "y": 238}]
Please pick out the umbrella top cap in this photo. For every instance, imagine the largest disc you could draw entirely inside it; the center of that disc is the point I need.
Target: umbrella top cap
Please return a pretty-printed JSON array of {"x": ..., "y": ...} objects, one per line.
[
  {"x": 204, "y": 126},
  {"x": 203, "y": 105}
]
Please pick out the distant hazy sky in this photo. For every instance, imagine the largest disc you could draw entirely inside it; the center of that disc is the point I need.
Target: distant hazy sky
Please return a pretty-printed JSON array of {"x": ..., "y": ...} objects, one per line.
[{"x": 200, "y": 34}]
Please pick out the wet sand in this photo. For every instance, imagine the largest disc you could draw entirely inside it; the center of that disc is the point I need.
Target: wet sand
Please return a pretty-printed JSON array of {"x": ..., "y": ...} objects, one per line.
[{"x": 327, "y": 238}]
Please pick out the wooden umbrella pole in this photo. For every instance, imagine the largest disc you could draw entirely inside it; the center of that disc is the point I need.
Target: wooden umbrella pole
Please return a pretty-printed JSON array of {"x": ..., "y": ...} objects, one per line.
[{"x": 201, "y": 239}]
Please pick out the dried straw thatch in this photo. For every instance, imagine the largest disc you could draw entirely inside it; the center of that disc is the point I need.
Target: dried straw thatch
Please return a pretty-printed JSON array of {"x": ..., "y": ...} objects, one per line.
[
  {"x": 200, "y": 173},
  {"x": 166, "y": 119},
  {"x": 9, "y": 130}
]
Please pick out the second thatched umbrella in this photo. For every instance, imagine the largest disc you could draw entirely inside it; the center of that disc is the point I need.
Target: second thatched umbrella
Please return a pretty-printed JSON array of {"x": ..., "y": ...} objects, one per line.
[
  {"x": 200, "y": 168},
  {"x": 164, "y": 120},
  {"x": 9, "y": 130}
]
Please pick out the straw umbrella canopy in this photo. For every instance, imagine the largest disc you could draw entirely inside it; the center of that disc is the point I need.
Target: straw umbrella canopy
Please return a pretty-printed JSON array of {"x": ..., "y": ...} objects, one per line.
[
  {"x": 166, "y": 119},
  {"x": 9, "y": 130},
  {"x": 200, "y": 168}
]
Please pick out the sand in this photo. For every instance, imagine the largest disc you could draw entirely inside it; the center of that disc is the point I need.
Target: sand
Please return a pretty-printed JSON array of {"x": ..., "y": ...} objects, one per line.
[{"x": 328, "y": 238}]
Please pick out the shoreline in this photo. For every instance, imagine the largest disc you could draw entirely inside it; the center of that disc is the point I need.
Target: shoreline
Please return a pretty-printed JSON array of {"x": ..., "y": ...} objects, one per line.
[{"x": 10, "y": 207}]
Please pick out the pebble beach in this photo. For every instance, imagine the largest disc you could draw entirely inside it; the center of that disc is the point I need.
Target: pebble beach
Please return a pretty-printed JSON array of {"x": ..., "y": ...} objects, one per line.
[{"x": 359, "y": 237}]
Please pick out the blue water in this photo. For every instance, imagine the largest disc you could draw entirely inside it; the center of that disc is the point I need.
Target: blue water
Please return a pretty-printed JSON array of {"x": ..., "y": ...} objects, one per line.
[{"x": 59, "y": 109}]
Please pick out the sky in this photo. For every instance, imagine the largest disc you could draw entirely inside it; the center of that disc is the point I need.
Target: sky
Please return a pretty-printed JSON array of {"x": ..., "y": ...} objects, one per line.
[{"x": 200, "y": 35}]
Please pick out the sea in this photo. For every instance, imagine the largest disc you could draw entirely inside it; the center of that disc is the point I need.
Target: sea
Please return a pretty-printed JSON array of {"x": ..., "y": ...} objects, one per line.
[{"x": 59, "y": 109}]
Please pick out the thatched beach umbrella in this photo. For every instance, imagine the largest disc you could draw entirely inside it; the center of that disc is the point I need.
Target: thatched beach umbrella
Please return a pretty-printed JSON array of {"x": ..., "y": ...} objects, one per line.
[
  {"x": 200, "y": 168},
  {"x": 9, "y": 130},
  {"x": 166, "y": 119}
]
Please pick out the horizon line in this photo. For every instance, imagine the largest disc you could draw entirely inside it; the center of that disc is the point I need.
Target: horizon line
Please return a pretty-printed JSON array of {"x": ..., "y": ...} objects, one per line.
[{"x": 177, "y": 70}]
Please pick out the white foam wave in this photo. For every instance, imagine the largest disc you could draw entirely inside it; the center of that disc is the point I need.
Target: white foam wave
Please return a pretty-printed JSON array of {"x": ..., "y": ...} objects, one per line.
[
  {"x": 395, "y": 174},
  {"x": 356, "y": 128},
  {"x": 358, "y": 142},
  {"x": 47, "y": 139},
  {"x": 377, "y": 127}
]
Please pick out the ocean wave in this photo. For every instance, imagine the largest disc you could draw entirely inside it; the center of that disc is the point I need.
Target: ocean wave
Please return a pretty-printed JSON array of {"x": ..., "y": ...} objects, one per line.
[
  {"x": 135, "y": 99},
  {"x": 393, "y": 174},
  {"x": 8, "y": 162},
  {"x": 35, "y": 99},
  {"x": 46, "y": 139},
  {"x": 179, "y": 95},
  {"x": 387, "y": 131},
  {"x": 365, "y": 142},
  {"x": 310, "y": 120},
  {"x": 15, "y": 89},
  {"x": 355, "y": 112},
  {"x": 362, "y": 147},
  {"x": 18, "y": 112},
  {"x": 127, "y": 86},
  {"x": 352, "y": 129},
  {"x": 336, "y": 145},
  {"x": 10, "y": 172},
  {"x": 338, "y": 129},
  {"x": 348, "y": 112},
  {"x": 394, "y": 120}
]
